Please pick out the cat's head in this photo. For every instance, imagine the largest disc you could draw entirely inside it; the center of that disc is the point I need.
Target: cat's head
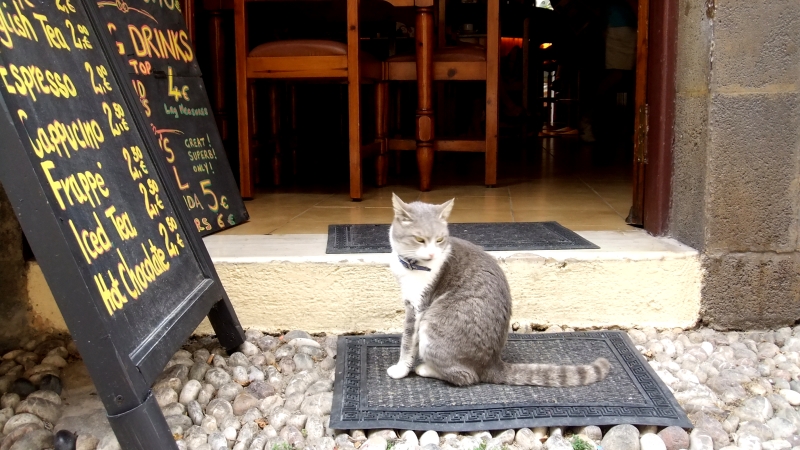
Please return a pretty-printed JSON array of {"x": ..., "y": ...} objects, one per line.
[{"x": 419, "y": 230}]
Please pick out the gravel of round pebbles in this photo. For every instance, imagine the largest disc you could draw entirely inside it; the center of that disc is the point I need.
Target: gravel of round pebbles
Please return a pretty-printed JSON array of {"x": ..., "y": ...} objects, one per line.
[{"x": 740, "y": 389}]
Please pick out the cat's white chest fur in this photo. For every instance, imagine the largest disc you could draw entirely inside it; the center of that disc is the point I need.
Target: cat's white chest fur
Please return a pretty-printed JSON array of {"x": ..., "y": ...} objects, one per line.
[{"x": 413, "y": 283}]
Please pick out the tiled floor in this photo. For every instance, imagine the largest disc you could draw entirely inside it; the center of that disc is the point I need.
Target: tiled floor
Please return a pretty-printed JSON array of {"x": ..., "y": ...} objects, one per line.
[{"x": 580, "y": 186}]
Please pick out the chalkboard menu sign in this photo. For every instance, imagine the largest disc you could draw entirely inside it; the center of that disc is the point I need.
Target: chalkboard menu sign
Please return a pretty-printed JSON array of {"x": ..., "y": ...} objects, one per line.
[
  {"x": 118, "y": 249},
  {"x": 151, "y": 40}
]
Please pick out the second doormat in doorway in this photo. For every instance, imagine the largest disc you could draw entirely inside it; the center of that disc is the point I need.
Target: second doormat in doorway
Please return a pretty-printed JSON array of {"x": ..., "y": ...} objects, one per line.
[
  {"x": 512, "y": 236},
  {"x": 365, "y": 397}
]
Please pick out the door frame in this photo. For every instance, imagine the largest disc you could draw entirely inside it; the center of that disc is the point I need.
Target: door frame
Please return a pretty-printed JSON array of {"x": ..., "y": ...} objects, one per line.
[
  {"x": 663, "y": 32},
  {"x": 655, "y": 113}
]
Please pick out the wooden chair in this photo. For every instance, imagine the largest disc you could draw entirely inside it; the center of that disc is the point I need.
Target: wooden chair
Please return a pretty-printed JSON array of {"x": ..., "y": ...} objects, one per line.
[
  {"x": 306, "y": 60},
  {"x": 449, "y": 64}
]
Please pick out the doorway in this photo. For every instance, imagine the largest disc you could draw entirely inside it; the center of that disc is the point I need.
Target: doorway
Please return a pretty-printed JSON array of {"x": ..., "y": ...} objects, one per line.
[{"x": 562, "y": 177}]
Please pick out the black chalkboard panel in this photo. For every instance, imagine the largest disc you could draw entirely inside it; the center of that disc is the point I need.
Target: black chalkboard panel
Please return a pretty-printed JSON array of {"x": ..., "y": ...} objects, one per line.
[
  {"x": 153, "y": 44},
  {"x": 118, "y": 249}
]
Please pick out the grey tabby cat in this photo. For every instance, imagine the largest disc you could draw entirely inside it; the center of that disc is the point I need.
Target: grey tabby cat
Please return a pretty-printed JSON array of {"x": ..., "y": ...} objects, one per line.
[{"x": 458, "y": 307}]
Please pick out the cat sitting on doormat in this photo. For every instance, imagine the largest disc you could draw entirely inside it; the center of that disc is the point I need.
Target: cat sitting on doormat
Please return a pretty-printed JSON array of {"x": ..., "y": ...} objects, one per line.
[{"x": 458, "y": 308}]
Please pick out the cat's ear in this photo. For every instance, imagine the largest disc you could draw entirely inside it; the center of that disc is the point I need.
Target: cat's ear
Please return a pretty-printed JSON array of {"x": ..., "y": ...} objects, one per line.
[
  {"x": 400, "y": 209},
  {"x": 446, "y": 208}
]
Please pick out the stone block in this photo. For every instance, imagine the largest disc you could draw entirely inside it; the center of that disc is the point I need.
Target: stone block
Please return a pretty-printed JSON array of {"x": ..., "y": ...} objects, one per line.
[
  {"x": 752, "y": 199},
  {"x": 693, "y": 47},
  {"x": 756, "y": 43},
  {"x": 687, "y": 217},
  {"x": 751, "y": 290}
]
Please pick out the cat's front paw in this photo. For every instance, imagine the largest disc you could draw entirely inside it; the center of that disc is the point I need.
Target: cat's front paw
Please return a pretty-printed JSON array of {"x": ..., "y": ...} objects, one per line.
[{"x": 398, "y": 371}]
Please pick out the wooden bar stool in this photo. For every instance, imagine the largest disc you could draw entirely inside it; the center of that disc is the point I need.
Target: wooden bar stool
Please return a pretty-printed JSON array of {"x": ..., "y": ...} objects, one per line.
[
  {"x": 460, "y": 63},
  {"x": 306, "y": 60}
]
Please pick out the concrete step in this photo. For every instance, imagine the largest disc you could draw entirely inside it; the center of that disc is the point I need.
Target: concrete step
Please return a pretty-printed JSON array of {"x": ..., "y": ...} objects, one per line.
[{"x": 287, "y": 282}]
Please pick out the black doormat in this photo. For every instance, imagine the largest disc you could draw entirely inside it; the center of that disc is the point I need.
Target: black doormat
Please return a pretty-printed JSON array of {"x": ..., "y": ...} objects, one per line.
[
  {"x": 490, "y": 236},
  {"x": 365, "y": 397}
]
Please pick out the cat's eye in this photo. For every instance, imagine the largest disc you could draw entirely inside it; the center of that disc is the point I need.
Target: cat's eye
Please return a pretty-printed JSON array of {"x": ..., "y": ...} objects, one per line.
[
  {"x": 440, "y": 240},
  {"x": 419, "y": 239}
]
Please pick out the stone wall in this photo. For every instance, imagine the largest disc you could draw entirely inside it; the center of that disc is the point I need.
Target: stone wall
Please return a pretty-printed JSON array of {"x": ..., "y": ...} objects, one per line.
[
  {"x": 13, "y": 278},
  {"x": 736, "y": 185}
]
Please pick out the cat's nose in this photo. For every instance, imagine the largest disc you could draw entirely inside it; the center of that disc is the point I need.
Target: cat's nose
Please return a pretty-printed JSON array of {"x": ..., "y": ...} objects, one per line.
[{"x": 430, "y": 255}]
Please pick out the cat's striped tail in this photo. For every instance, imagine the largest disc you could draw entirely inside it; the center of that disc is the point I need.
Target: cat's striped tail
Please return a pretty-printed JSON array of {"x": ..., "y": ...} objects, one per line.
[{"x": 550, "y": 374}]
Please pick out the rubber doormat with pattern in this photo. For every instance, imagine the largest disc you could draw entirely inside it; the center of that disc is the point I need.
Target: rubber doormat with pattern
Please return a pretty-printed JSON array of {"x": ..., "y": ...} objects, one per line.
[
  {"x": 365, "y": 397},
  {"x": 510, "y": 236}
]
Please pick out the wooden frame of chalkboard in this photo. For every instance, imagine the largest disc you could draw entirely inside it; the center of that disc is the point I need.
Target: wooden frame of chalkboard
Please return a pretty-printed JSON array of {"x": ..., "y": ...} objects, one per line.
[{"x": 130, "y": 277}]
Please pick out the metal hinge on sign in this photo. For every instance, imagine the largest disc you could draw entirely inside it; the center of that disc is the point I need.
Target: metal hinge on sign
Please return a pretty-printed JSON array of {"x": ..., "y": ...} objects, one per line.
[{"x": 641, "y": 135}]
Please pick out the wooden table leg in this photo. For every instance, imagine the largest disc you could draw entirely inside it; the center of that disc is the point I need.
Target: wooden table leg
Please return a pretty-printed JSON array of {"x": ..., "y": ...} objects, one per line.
[{"x": 424, "y": 126}]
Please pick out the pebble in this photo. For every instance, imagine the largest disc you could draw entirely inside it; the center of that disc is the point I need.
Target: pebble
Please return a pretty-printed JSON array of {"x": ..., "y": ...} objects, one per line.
[
  {"x": 195, "y": 412},
  {"x": 557, "y": 442},
  {"x": 506, "y": 437},
  {"x": 248, "y": 348},
  {"x": 267, "y": 343},
  {"x": 9, "y": 400},
  {"x": 229, "y": 391},
  {"x": 781, "y": 427},
  {"x": 791, "y": 396},
  {"x": 219, "y": 408},
  {"x": 620, "y": 437},
  {"x": 303, "y": 362},
  {"x": 526, "y": 440},
  {"x": 198, "y": 371},
  {"x": 748, "y": 442},
  {"x": 217, "y": 377},
  {"x": 206, "y": 394},
  {"x": 239, "y": 375},
  {"x": 209, "y": 424},
  {"x": 294, "y": 334},
  {"x": 778, "y": 444},
  {"x": 190, "y": 391},
  {"x": 86, "y": 442},
  {"x": 293, "y": 436},
  {"x": 22, "y": 387},
  {"x": 713, "y": 429},
  {"x": 741, "y": 391},
  {"x": 34, "y": 440},
  {"x": 375, "y": 443},
  {"x": 20, "y": 420},
  {"x": 260, "y": 389},
  {"x": 18, "y": 433},
  {"x": 217, "y": 441},
  {"x": 165, "y": 395},
  {"x": 238, "y": 359},
  {"x": 315, "y": 428},
  {"x": 700, "y": 441},
  {"x": 319, "y": 404},
  {"x": 429, "y": 437},
  {"x": 244, "y": 402},
  {"x": 650, "y": 441},
  {"x": 759, "y": 430}
]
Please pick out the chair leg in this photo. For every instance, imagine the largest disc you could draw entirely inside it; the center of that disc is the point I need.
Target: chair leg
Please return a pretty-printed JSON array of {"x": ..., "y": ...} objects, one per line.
[
  {"x": 275, "y": 124},
  {"x": 492, "y": 81},
  {"x": 354, "y": 142},
  {"x": 293, "y": 113},
  {"x": 381, "y": 131},
  {"x": 252, "y": 143},
  {"x": 398, "y": 162}
]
